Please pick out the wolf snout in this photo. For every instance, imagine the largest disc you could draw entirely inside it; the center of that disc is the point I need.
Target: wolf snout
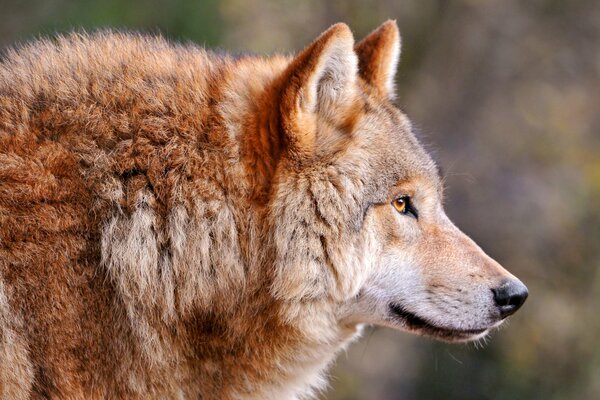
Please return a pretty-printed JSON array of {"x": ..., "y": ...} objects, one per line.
[{"x": 510, "y": 296}]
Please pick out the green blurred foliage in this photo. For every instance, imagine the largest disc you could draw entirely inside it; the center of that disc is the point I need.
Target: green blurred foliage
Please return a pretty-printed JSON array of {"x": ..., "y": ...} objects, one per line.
[
  {"x": 506, "y": 94},
  {"x": 199, "y": 21}
]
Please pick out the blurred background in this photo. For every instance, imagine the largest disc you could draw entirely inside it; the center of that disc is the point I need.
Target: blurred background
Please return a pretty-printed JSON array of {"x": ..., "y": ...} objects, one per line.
[{"x": 506, "y": 95}]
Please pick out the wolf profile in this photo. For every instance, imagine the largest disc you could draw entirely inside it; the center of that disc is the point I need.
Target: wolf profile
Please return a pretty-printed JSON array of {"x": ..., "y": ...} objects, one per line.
[{"x": 180, "y": 224}]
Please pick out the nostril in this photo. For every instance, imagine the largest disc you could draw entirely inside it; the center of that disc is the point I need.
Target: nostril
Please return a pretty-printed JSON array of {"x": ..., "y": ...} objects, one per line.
[
  {"x": 517, "y": 299},
  {"x": 510, "y": 296}
]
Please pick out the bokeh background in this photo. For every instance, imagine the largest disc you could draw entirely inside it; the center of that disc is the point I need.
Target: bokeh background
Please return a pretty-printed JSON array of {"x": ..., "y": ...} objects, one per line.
[{"x": 506, "y": 95}]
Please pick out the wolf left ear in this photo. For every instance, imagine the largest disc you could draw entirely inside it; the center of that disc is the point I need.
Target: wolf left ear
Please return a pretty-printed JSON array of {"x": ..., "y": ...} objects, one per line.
[
  {"x": 378, "y": 56},
  {"x": 319, "y": 80}
]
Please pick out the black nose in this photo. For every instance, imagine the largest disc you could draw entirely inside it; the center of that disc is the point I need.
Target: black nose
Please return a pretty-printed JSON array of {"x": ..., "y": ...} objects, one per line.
[{"x": 510, "y": 296}]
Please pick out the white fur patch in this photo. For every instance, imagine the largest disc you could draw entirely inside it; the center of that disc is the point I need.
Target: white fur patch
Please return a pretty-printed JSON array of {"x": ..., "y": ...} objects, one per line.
[{"x": 198, "y": 254}]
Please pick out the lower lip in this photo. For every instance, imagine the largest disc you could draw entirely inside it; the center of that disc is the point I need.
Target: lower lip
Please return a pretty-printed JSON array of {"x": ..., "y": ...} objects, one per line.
[{"x": 416, "y": 322}]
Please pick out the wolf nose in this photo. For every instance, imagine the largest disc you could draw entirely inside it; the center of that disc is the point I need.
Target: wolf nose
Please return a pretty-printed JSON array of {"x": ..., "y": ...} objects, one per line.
[{"x": 510, "y": 296}]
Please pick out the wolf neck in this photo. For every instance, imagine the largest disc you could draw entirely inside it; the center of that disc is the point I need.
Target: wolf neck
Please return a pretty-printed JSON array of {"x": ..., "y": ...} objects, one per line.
[{"x": 297, "y": 341}]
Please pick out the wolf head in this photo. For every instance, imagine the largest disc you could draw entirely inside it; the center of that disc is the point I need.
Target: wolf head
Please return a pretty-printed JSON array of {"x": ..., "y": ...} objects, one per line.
[{"x": 357, "y": 202}]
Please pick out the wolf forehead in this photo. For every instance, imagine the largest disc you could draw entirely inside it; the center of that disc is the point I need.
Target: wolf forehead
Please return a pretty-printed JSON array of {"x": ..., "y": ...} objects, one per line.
[{"x": 385, "y": 149}]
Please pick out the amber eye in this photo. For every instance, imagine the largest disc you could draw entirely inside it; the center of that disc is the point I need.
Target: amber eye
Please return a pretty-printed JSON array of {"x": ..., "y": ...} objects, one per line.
[
  {"x": 401, "y": 204},
  {"x": 404, "y": 205}
]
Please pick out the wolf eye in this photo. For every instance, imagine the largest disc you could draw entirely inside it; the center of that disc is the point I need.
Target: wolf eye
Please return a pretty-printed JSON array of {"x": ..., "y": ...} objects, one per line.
[
  {"x": 400, "y": 205},
  {"x": 403, "y": 205}
]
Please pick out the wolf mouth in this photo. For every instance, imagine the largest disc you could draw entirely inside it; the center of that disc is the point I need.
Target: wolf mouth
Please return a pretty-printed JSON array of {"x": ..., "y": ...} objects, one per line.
[{"x": 415, "y": 322}]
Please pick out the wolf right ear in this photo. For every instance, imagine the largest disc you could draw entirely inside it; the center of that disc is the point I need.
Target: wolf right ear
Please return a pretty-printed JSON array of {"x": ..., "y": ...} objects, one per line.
[
  {"x": 378, "y": 56},
  {"x": 321, "y": 79}
]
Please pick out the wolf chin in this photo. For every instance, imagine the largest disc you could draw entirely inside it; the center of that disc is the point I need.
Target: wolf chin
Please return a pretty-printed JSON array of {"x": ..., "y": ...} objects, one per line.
[{"x": 180, "y": 224}]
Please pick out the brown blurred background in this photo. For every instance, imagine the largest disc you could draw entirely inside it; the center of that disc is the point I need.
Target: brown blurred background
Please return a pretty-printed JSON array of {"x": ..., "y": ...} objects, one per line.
[{"x": 506, "y": 95}]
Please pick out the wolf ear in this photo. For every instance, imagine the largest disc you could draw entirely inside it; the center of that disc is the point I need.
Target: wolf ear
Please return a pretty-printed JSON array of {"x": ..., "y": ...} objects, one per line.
[
  {"x": 378, "y": 56},
  {"x": 320, "y": 79}
]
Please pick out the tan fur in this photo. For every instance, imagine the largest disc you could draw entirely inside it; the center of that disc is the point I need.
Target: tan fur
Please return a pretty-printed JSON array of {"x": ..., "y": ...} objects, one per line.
[{"x": 180, "y": 224}]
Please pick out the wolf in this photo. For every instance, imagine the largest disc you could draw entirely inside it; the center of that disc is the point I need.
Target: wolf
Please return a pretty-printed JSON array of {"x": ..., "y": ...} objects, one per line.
[{"x": 176, "y": 223}]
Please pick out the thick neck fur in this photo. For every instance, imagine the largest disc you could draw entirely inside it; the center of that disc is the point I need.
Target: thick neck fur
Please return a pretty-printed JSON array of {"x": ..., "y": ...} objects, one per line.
[{"x": 175, "y": 151}]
